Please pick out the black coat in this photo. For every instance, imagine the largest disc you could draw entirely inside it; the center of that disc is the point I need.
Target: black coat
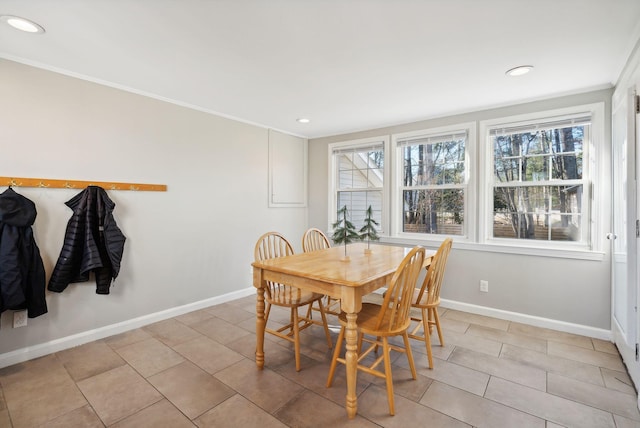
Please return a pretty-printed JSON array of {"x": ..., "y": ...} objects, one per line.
[
  {"x": 92, "y": 243},
  {"x": 22, "y": 278}
]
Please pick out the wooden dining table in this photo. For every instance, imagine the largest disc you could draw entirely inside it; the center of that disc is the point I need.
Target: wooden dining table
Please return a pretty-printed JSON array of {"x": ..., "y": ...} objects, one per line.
[{"x": 328, "y": 272}]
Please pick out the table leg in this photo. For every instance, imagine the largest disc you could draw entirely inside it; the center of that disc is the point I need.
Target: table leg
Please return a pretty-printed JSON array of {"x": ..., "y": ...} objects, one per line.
[
  {"x": 260, "y": 325},
  {"x": 351, "y": 357}
]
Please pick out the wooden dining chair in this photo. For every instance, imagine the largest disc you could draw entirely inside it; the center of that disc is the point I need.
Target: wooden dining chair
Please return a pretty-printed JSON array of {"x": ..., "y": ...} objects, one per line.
[
  {"x": 313, "y": 240},
  {"x": 427, "y": 299},
  {"x": 380, "y": 322},
  {"x": 271, "y": 245}
]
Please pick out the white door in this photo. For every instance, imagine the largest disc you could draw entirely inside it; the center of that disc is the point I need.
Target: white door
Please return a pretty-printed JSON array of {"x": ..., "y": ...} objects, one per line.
[{"x": 624, "y": 241}]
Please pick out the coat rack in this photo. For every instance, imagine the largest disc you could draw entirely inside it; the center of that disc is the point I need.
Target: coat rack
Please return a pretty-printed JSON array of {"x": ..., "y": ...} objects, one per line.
[{"x": 76, "y": 184}]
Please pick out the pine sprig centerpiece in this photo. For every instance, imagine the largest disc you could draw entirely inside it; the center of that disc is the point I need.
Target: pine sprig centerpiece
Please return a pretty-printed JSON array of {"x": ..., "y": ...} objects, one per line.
[
  {"x": 368, "y": 231},
  {"x": 344, "y": 232}
]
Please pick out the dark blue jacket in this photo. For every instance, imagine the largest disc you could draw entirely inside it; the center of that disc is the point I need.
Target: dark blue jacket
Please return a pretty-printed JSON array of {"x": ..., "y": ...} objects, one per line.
[{"x": 22, "y": 278}]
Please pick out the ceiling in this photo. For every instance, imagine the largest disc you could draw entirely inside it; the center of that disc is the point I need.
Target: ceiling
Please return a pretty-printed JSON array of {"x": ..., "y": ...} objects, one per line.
[{"x": 347, "y": 65}]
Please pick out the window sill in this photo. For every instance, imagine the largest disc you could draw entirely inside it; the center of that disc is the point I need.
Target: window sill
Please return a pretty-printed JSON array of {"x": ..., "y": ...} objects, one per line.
[{"x": 562, "y": 253}]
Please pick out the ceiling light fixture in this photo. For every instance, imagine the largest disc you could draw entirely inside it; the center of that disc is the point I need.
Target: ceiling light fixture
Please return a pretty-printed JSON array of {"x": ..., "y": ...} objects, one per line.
[
  {"x": 303, "y": 120},
  {"x": 519, "y": 71},
  {"x": 22, "y": 24}
]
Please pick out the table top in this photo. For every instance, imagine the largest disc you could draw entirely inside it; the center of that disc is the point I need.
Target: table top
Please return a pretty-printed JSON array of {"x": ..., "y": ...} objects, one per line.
[{"x": 328, "y": 265}]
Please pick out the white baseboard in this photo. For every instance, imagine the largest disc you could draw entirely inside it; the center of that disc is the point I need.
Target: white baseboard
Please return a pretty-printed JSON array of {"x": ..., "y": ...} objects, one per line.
[
  {"x": 31, "y": 352},
  {"x": 567, "y": 327}
]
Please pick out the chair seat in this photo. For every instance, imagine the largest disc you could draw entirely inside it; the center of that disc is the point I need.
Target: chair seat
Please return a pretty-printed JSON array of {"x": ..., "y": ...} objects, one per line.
[
  {"x": 288, "y": 296},
  {"x": 368, "y": 319}
]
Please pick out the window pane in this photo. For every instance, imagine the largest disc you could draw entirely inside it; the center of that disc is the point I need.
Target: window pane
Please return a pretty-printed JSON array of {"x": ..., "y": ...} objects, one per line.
[
  {"x": 434, "y": 163},
  {"x": 357, "y": 204},
  {"x": 552, "y": 213},
  {"x": 360, "y": 169},
  {"x": 547, "y": 154},
  {"x": 434, "y": 211}
]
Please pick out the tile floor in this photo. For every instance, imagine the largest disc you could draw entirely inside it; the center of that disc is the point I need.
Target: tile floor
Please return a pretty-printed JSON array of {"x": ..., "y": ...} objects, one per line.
[{"x": 198, "y": 370}]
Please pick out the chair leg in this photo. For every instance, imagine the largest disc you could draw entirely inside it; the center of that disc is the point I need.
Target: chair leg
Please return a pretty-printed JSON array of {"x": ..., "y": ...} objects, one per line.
[
  {"x": 427, "y": 336},
  {"x": 324, "y": 323},
  {"x": 437, "y": 320},
  {"x": 407, "y": 346},
  {"x": 296, "y": 337},
  {"x": 387, "y": 374},
  {"x": 334, "y": 359}
]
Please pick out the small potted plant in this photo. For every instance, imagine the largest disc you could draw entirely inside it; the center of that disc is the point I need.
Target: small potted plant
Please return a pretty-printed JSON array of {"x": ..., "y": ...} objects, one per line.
[
  {"x": 368, "y": 231},
  {"x": 344, "y": 232}
]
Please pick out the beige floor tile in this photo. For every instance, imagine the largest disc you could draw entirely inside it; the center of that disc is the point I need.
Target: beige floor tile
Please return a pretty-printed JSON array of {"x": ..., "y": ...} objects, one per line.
[
  {"x": 618, "y": 381},
  {"x": 239, "y": 412},
  {"x": 207, "y": 354},
  {"x": 587, "y": 356},
  {"x": 192, "y": 390},
  {"x": 266, "y": 388},
  {"x": 477, "y": 319},
  {"x": 314, "y": 378},
  {"x": 5, "y": 421},
  {"x": 38, "y": 391},
  {"x": 441, "y": 352},
  {"x": 89, "y": 360},
  {"x": 547, "y": 406},
  {"x": 171, "y": 332},
  {"x": 84, "y": 417},
  {"x": 503, "y": 368},
  {"x": 595, "y": 396},
  {"x": 551, "y": 335},
  {"x": 118, "y": 393},
  {"x": 31, "y": 372},
  {"x": 308, "y": 410},
  {"x": 160, "y": 414},
  {"x": 475, "y": 410},
  {"x": 527, "y": 342},
  {"x": 373, "y": 405},
  {"x": 553, "y": 425},
  {"x": 622, "y": 422},
  {"x": 127, "y": 338},
  {"x": 3, "y": 404},
  {"x": 404, "y": 384},
  {"x": 232, "y": 314},
  {"x": 219, "y": 330},
  {"x": 150, "y": 356},
  {"x": 553, "y": 364},
  {"x": 604, "y": 346},
  {"x": 476, "y": 343},
  {"x": 452, "y": 374},
  {"x": 453, "y": 325},
  {"x": 194, "y": 317}
]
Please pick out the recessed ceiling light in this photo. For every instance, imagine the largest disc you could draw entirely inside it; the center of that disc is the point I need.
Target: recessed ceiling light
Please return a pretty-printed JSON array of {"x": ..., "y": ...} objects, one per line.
[
  {"x": 303, "y": 120},
  {"x": 22, "y": 24},
  {"x": 519, "y": 71}
]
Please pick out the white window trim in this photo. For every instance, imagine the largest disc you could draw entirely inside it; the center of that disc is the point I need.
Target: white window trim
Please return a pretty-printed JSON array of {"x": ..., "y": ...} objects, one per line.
[
  {"x": 332, "y": 205},
  {"x": 470, "y": 205},
  {"x": 595, "y": 205}
]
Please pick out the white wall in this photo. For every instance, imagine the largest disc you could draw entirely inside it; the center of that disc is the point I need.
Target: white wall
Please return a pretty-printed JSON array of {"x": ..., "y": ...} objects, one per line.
[
  {"x": 573, "y": 295},
  {"x": 191, "y": 243}
]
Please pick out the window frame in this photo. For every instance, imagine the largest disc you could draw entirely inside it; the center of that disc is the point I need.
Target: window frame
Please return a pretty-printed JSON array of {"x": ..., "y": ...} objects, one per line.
[
  {"x": 468, "y": 186},
  {"x": 592, "y": 170},
  {"x": 333, "y": 182}
]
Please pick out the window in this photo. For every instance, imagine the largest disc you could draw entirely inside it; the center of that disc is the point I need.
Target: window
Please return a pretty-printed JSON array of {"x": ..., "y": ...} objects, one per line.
[
  {"x": 539, "y": 183},
  {"x": 433, "y": 181},
  {"x": 358, "y": 180},
  {"x": 536, "y": 187}
]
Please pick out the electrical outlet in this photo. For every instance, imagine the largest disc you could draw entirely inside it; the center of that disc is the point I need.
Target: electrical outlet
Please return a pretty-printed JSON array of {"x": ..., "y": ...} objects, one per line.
[
  {"x": 484, "y": 286},
  {"x": 19, "y": 319}
]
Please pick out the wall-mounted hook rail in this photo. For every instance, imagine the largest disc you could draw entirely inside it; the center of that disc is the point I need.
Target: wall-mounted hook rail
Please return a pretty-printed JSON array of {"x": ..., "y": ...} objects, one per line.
[{"x": 78, "y": 184}]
